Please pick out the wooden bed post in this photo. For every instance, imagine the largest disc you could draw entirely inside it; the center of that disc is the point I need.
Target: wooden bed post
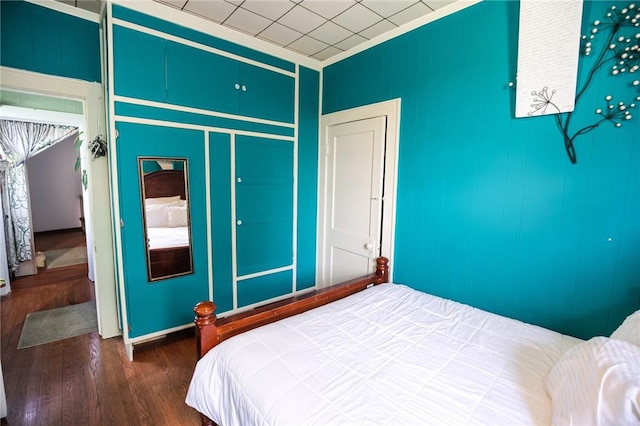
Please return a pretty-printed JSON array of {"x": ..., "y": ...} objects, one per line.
[
  {"x": 206, "y": 331},
  {"x": 382, "y": 269}
]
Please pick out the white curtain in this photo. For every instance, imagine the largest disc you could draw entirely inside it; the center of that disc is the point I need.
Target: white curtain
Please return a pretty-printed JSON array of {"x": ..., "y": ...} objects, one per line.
[{"x": 20, "y": 141}]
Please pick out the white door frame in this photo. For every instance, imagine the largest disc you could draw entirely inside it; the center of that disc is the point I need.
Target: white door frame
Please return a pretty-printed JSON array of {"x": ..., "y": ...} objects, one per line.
[
  {"x": 99, "y": 204},
  {"x": 390, "y": 109}
]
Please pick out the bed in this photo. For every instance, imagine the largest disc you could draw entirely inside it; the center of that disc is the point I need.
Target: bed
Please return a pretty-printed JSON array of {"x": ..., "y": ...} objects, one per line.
[
  {"x": 166, "y": 220},
  {"x": 370, "y": 352}
]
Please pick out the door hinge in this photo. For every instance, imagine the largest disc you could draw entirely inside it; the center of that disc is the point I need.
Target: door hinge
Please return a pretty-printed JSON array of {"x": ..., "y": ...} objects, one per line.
[
  {"x": 129, "y": 327},
  {"x": 121, "y": 223}
]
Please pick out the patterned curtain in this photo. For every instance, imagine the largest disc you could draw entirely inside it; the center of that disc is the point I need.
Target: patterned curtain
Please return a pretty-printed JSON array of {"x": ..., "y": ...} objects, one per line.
[{"x": 20, "y": 141}]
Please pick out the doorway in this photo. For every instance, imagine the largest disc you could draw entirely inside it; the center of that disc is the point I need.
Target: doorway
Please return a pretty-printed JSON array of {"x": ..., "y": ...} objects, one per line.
[
  {"x": 97, "y": 204},
  {"x": 357, "y": 189}
]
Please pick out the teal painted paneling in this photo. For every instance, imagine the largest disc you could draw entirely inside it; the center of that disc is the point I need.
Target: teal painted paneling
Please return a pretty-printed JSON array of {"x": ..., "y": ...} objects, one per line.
[
  {"x": 489, "y": 210},
  {"x": 139, "y": 65},
  {"x": 166, "y": 303},
  {"x": 264, "y": 204},
  {"x": 269, "y": 95},
  {"x": 200, "y": 79},
  {"x": 265, "y": 287},
  {"x": 141, "y": 111},
  {"x": 198, "y": 37},
  {"x": 221, "y": 226},
  {"x": 39, "y": 39},
  {"x": 309, "y": 83}
]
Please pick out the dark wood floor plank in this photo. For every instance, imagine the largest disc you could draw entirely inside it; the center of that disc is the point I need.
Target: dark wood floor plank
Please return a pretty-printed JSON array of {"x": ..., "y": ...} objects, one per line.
[{"x": 87, "y": 380}]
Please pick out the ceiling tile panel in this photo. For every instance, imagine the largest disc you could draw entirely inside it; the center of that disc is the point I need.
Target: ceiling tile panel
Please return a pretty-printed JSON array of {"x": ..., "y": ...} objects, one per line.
[
  {"x": 271, "y": 9},
  {"x": 409, "y": 14},
  {"x": 328, "y": 9},
  {"x": 330, "y": 33},
  {"x": 357, "y": 18},
  {"x": 386, "y": 8},
  {"x": 279, "y": 34},
  {"x": 308, "y": 45},
  {"x": 327, "y": 53},
  {"x": 378, "y": 29},
  {"x": 437, "y": 4},
  {"x": 352, "y": 41},
  {"x": 178, "y": 4},
  {"x": 246, "y": 21},
  {"x": 217, "y": 11},
  {"x": 301, "y": 19}
]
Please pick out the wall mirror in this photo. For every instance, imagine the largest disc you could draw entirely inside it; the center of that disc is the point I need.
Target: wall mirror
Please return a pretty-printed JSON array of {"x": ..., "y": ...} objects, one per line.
[{"x": 167, "y": 222}]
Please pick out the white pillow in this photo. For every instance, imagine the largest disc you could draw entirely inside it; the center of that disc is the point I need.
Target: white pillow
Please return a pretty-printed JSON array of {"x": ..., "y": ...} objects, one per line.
[
  {"x": 596, "y": 382},
  {"x": 157, "y": 216},
  {"x": 161, "y": 200},
  {"x": 629, "y": 330},
  {"x": 177, "y": 216}
]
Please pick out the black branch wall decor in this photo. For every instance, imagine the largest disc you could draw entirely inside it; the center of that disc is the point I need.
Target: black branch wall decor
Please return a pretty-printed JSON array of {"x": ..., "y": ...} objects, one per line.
[{"x": 618, "y": 49}]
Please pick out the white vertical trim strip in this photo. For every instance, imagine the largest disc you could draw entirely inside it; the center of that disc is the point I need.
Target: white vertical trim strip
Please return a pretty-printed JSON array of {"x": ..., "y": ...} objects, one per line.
[
  {"x": 114, "y": 183},
  {"x": 234, "y": 256},
  {"x": 296, "y": 130},
  {"x": 207, "y": 197}
]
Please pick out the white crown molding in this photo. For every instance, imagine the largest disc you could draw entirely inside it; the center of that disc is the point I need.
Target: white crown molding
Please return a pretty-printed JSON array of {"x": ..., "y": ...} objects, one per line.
[
  {"x": 68, "y": 9},
  {"x": 409, "y": 26},
  {"x": 202, "y": 25}
]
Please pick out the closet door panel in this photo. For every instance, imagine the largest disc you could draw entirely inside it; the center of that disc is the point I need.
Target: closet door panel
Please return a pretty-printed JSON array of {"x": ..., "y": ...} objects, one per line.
[
  {"x": 138, "y": 61},
  {"x": 266, "y": 287},
  {"x": 266, "y": 94},
  {"x": 264, "y": 204},
  {"x": 201, "y": 79},
  {"x": 154, "y": 306}
]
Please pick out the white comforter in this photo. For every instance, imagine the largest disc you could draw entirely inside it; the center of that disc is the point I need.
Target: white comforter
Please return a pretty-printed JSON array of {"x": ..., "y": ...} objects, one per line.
[
  {"x": 159, "y": 238},
  {"x": 387, "y": 355}
]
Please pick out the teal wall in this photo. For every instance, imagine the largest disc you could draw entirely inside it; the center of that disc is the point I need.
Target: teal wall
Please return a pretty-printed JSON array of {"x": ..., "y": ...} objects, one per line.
[
  {"x": 490, "y": 211},
  {"x": 35, "y": 38}
]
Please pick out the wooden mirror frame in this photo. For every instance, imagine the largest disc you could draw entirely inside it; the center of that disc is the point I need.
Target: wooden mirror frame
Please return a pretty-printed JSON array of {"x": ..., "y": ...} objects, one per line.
[{"x": 166, "y": 262}]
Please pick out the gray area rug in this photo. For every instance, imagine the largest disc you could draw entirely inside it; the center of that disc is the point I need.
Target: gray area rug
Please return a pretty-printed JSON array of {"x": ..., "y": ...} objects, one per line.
[
  {"x": 57, "y": 324},
  {"x": 66, "y": 257}
]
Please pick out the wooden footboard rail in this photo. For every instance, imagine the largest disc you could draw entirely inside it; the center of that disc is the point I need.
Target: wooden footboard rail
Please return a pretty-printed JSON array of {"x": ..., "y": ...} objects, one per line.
[{"x": 210, "y": 331}]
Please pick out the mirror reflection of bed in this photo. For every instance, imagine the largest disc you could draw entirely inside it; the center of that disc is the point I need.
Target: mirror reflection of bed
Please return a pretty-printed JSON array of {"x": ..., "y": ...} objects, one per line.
[{"x": 166, "y": 217}]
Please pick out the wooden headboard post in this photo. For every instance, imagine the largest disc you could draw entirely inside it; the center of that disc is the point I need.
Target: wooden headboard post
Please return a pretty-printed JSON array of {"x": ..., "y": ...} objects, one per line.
[{"x": 206, "y": 330}]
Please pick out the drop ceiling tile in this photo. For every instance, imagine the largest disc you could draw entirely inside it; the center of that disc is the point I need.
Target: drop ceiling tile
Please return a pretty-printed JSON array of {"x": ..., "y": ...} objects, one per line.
[
  {"x": 438, "y": 4},
  {"x": 327, "y": 53},
  {"x": 328, "y": 8},
  {"x": 272, "y": 9},
  {"x": 357, "y": 18},
  {"x": 307, "y": 45},
  {"x": 178, "y": 4},
  {"x": 352, "y": 41},
  {"x": 409, "y": 14},
  {"x": 246, "y": 21},
  {"x": 217, "y": 11},
  {"x": 378, "y": 29},
  {"x": 386, "y": 8},
  {"x": 90, "y": 5},
  {"x": 301, "y": 19},
  {"x": 279, "y": 34},
  {"x": 330, "y": 33},
  {"x": 236, "y": 2}
]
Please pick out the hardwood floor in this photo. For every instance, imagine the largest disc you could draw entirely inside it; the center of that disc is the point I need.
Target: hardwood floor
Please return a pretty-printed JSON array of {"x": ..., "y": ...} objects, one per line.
[{"x": 87, "y": 380}]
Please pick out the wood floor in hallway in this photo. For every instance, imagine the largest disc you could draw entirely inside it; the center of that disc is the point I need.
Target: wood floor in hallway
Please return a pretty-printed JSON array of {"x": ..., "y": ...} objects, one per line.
[{"x": 87, "y": 380}]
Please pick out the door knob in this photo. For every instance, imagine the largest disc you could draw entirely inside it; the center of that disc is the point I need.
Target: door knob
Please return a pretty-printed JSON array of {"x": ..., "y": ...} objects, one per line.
[{"x": 239, "y": 222}]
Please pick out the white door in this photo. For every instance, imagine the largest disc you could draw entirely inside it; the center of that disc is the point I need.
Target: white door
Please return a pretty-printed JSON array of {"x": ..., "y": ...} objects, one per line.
[{"x": 354, "y": 182}]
